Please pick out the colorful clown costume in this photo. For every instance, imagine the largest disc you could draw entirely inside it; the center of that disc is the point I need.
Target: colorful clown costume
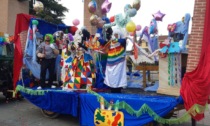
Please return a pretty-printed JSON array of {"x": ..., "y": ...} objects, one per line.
[
  {"x": 80, "y": 72},
  {"x": 115, "y": 74}
]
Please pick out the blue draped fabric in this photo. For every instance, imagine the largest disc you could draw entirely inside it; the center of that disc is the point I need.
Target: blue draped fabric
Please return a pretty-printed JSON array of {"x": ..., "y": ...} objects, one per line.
[
  {"x": 56, "y": 101},
  {"x": 33, "y": 66},
  {"x": 46, "y": 27},
  {"x": 58, "y": 67},
  {"x": 100, "y": 70},
  {"x": 160, "y": 104}
]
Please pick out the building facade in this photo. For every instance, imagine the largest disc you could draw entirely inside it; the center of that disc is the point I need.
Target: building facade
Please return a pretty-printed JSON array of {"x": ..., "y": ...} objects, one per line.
[{"x": 8, "y": 11}]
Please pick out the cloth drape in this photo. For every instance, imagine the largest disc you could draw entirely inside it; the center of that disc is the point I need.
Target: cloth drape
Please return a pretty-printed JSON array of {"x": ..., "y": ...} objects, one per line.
[{"x": 195, "y": 87}]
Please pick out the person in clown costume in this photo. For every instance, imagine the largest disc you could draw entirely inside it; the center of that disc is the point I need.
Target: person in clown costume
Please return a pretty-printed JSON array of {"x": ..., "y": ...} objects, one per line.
[
  {"x": 80, "y": 71},
  {"x": 115, "y": 74}
]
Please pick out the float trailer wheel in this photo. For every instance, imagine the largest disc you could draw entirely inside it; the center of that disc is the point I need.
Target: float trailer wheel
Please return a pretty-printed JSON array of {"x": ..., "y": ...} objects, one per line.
[{"x": 49, "y": 114}]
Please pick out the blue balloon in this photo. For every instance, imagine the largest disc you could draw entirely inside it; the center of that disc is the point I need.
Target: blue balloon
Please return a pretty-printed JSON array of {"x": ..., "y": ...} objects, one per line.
[
  {"x": 131, "y": 12},
  {"x": 1, "y": 39}
]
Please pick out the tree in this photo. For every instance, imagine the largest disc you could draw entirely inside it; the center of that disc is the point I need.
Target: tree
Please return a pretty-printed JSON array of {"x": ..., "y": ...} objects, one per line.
[{"x": 53, "y": 12}]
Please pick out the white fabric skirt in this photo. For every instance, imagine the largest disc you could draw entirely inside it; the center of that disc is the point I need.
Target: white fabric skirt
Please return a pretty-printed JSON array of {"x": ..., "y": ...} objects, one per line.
[{"x": 115, "y": 76}]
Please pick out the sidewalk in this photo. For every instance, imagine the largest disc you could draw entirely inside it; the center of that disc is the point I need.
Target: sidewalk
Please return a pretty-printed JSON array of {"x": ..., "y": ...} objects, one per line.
[{"x": 204, "y": 122}]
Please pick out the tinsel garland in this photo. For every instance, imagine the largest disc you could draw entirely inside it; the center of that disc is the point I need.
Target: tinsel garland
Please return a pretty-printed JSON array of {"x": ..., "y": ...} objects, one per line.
[
  {"x": 179, "y": 73},
  {"x": 195, "y": 109},
  {"x": 169, "y": 71},
  {"x": 29, "y": 91}
]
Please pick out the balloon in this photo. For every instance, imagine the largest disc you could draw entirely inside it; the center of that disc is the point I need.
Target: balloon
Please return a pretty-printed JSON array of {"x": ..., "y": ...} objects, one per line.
[
  {"x": 138, "y": 27},
  {"x": 100, "y": 23},
  {"x": 137, "y": 4},
  {"x": 93, "y": 20},
  {"x": 1, "y": 39},
  {"x": 158, "y": 16},
  {"x": 76, "y": 22},
  {"x": 131, "y": 12},
  {"x": 73, "y": 29},
  {"x": 35, "y": 22},
  {"x": 38, "y": 6},
  {"x": 112, "y": 19},
  {"x": 130, "y": 26},
  {"x": 71, "y": 38},
  {"x": 105, "y": 7},
  {"x": 171, "y": 27},
  {"x": 92, "y": 6},
  {"x": 127, "y": 7}
]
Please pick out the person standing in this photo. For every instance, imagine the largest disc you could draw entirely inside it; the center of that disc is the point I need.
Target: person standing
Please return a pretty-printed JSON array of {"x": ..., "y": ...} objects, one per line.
[
  {"x": 115, "y": 74},
  {"x": 47, "y": 51}
]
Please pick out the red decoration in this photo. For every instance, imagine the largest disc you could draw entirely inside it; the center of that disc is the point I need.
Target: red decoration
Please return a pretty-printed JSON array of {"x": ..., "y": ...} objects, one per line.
[{"x": 195, "y": 87}]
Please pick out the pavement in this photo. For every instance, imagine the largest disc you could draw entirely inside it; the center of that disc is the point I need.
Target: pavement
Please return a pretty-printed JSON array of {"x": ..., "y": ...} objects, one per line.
[
  {"x": 204, "y": 122},
  {"x": 24, "y": 113}
]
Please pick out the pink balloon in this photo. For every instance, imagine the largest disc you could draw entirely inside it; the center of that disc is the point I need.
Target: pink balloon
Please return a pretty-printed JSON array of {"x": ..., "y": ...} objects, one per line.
[
  {"x": 105, "y": 7},
  {"x": 138, "y": 27},
  {"x": 158, "y": 16},
  {"x": 76, "y": 22}
]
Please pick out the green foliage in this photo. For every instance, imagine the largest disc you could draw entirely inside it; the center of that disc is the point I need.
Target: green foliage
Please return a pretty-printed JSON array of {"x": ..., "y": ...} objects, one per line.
[{"x": 53, "y": 12}]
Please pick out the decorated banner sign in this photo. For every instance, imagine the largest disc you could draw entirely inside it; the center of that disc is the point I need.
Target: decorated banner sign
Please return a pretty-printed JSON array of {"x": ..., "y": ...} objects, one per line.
[{"x": 108, "y": 118}]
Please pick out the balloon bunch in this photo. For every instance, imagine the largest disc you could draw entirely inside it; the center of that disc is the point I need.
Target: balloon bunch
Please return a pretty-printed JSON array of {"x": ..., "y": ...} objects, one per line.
[
  {"x": 6, "y": 39},
  {"x": 138, "y": 28},
  {"x": 92, "y": 7},
  {"x": 131, "y": 11}
]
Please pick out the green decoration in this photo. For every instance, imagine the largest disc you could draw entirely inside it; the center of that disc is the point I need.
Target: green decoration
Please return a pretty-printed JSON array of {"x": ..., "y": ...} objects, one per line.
[
  {"x": 100, "y": 117},
  {"x": 119, "y": 124},
  {"x": 195, "y": 109},
  {"x": 35, "y": 22},
  {"x": 66, "y": 31},
  {"x": 169, "y": 67},
  {"x": 30, "y": 91}
]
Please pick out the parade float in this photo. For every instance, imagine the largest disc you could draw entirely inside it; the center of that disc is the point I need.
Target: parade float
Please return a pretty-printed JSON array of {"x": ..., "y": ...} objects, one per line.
[{"x": 81, "y": 71}]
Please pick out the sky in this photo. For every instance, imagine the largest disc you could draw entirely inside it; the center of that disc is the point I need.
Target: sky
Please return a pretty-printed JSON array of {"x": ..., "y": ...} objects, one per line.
[{"x": 174, "y": 10}]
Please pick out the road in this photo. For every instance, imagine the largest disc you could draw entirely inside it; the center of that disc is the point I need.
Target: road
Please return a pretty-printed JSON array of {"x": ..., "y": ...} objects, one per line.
[{"x": 24, "y": 113}]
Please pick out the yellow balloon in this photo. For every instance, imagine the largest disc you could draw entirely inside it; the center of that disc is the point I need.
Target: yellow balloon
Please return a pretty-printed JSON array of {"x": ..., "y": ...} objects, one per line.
[{"x": 130, "y": 26}]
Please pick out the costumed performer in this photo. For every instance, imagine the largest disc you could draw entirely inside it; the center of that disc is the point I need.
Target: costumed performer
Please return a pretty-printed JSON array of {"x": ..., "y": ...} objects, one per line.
[
  {"x": 47, "y": 51},
  {"x": 104, "y": 36},
  {"x": 80, "y": 72},
  {"x": 115, "y": 74}
]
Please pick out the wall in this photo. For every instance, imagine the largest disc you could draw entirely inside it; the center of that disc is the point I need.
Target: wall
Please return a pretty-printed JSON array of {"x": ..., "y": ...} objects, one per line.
[
  {"x": 8, "y": 11},
  {"x": 3, "y": 15},
  {"x": 195, "y": 41}
]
